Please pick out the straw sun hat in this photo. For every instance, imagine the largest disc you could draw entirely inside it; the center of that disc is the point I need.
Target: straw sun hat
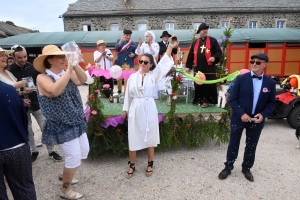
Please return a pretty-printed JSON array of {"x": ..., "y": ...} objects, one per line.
[
  {"x": 7, "y": 52},
  {"x": 49, "y": 50}
]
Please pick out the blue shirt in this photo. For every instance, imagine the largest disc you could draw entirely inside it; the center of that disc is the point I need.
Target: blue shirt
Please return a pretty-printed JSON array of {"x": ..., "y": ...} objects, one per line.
[
  {"x": 256, "y": 90},
  {"x": 13, "y": 118}
]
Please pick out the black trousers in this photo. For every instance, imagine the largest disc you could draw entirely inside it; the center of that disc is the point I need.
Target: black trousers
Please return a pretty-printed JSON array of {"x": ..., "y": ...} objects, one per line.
[
  {"x": 252, "y": 137},
  {"x": 16, "y": 166}
]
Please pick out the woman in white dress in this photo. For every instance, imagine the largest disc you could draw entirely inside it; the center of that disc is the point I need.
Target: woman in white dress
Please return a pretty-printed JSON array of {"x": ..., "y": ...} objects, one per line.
[{"x": 139, "y": 105}]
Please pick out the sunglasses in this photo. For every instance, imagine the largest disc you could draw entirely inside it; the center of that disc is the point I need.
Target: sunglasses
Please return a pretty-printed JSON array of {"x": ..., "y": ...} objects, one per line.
[
  {"x": 144, "y": 61},
  {"x": 257, "y": 62},
  {"x": 18, "y": 47}
]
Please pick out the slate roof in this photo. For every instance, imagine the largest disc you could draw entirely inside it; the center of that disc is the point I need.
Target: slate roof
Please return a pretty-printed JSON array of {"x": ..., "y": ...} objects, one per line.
[
  {"x": 7, "y": 30},
  {"x": 140, "y": 7}
]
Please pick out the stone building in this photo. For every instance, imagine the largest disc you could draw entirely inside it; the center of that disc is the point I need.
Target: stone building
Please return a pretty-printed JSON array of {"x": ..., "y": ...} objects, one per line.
[{"x": 101, "y": 15}]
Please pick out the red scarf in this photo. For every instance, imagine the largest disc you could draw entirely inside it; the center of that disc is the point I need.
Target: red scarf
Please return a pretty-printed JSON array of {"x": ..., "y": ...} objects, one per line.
[
  {"x": 126, "y": 46},
  {"x": 207, "y": 51}
]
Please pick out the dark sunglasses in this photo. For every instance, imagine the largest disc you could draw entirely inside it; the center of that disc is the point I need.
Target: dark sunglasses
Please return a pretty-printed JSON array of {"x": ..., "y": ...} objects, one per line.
[
  {"x": 18, "y": 47},
  {"x": 144, "y": 61},
  {"x": 257, "y": 62}
]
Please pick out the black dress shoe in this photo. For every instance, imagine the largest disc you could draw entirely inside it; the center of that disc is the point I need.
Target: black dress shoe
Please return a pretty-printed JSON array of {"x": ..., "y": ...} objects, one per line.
[
  {"x": 248, "y": 175},
  {"x": 224, "y": 173},
  {"x": 34, "y": 155}
]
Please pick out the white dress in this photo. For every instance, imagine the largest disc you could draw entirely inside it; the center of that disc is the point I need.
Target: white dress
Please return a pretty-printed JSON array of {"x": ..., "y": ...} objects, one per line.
[{"x": 143, "y": 130}]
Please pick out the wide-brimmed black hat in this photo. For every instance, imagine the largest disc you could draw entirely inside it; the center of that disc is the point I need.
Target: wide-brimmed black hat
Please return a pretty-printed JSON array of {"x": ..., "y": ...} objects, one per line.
[
  {"x": 165, "y": 33},
  {"x": 202, "y": 26}
]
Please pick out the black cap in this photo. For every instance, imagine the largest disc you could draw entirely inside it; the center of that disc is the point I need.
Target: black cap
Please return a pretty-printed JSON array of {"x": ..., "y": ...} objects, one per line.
[
  {"x": 127, "y": 31},
  {"x": 202, "y": 26},
  {"x": 164, "y": 33},
  {"x": 261, "y": 56}
]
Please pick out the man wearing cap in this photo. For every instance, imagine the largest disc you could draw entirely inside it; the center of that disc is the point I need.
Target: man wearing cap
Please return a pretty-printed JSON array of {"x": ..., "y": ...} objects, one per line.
[
  {"x": 163, "y": 45},
  {"x": 252, "y": 99},
  {"x": 21, "y": 69},
  {"x": 203, "y": 56},
  {"x": 125, "y": 48},
  {"x": 103, "y": 58}
]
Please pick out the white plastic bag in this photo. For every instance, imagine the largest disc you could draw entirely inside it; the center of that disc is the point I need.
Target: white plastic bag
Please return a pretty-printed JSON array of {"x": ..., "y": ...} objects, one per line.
[{"x": 76, "y": 56}]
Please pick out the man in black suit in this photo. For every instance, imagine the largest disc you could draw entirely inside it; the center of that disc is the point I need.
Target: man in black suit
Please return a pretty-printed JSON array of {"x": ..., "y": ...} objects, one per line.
[
  {"x": 163, "y": 45},
  {"x": 252, "y": 99}
]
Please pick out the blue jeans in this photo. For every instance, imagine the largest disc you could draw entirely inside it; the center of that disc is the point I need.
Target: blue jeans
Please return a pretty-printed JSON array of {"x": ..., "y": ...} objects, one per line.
[{"x": 40, "y": 120}]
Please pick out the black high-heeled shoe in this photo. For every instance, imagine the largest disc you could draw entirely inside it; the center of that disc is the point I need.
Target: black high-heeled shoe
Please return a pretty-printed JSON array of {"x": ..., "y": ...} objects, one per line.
[
  {"x": 149, "y": 172},
  {"x": 130, "y": 174}
]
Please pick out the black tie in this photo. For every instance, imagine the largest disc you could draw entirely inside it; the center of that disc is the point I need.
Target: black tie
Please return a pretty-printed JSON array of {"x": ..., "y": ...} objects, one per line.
[
  {"x": 166, "y": 44},
  {"x": 259, "y": 77}
]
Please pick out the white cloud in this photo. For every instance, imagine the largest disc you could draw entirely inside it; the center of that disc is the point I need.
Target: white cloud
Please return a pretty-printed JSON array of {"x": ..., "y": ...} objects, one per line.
[{"x": 42, "y": 15}]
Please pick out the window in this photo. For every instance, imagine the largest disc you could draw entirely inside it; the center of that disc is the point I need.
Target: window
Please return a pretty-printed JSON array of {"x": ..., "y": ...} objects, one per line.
[
  {"x": 197, "y": 24},
  {"x": 252, "y": 24},
  {"x": 142, "y": 26},
  {"x": 280, "y": 24},
  {"x": 224, "y": 24},
  {"x": 86, "y": 27},
  {"x": 169, "y": 26},
  {"x": 114, "y": 27}
]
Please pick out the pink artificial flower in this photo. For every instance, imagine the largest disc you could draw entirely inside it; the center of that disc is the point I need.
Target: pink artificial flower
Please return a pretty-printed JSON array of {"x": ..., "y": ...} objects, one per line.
[
  {"x": 265, "y": 90},
  {"x": 106, "y": 86},
  {"x": 97, "y": 91},
  {"x": 94, "y": 112}
]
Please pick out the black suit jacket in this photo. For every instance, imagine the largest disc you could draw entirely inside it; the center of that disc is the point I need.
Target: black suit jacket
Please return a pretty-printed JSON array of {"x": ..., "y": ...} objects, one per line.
[{"x": 163, "y": 49}]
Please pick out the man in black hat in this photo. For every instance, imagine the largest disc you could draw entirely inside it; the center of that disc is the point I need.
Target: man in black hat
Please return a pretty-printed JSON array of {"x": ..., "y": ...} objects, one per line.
[
  {"x": 125, "y": 48},
  {"x": 163, "y": 45},
  {"x": 203, "y": 56},
  {"x": 252, "y": 99}
]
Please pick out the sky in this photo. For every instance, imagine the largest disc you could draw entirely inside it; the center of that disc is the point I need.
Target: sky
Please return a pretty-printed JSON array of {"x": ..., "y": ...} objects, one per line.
[{"x": 42, "y": 15}]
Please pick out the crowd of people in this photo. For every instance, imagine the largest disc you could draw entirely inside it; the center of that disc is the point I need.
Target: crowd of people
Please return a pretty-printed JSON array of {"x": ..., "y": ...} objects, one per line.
[{"x": 56, "y": 105}]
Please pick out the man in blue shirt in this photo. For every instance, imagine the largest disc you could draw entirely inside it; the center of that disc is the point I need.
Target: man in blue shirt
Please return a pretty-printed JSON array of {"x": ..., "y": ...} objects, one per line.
[{"x": 125, "y": 48}]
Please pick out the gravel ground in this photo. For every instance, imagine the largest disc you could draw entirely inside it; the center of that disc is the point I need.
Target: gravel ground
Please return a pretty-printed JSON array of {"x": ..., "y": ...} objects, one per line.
[{"x": 183, "y": 173}]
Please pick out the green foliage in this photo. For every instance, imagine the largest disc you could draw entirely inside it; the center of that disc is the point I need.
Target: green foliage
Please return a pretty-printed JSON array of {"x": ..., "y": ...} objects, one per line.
[{"x": 10, "y": 23}]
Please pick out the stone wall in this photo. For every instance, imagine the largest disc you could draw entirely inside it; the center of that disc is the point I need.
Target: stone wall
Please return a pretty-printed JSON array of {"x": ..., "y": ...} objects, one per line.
[{"x": 264, "y": 20}]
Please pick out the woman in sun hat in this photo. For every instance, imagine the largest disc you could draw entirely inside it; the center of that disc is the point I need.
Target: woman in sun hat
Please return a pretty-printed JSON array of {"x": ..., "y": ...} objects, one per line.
[{"x": 62, "y": 107}]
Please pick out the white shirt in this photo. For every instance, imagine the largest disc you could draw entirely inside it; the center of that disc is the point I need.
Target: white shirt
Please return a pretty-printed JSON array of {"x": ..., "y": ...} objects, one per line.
[
  {"x": 144, "y": 48},
  {"x": 8, "y": 81},
  {"x": 103, "y": 62}
]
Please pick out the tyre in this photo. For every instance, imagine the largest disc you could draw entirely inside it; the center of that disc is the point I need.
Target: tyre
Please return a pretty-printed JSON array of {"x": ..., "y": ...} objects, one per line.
[{"x": 292, "y": 118}]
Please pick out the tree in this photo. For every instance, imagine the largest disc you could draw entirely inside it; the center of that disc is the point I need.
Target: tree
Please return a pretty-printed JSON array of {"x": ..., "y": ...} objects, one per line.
[{"x": 10, "y": 23}]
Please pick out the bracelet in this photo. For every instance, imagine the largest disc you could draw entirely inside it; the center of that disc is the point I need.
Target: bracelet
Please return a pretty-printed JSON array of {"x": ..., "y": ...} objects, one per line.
[{"x": 171, "y": 45}]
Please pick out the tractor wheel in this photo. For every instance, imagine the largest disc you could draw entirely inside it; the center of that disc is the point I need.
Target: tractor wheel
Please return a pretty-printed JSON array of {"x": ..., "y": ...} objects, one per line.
[{"x": 292, "y": 118}]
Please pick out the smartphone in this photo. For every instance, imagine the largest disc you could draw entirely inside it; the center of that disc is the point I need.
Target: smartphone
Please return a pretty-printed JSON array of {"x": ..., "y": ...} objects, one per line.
[{"x": 253, "y": 119}]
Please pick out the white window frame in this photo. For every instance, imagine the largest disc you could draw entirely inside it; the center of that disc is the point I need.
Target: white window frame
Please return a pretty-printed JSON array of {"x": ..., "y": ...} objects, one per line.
[
  {"x": 170, "y": 26},
  {"x": 196, "y": 24},
  {"x": 114, "y": 27},
  {"x": 85, "y": 27},
  {"x": 280, "y": 23},
  {"x": 224, "y": 24},
  {"x": 251, "y": 24},
  {"x": 142, "y": 26}
]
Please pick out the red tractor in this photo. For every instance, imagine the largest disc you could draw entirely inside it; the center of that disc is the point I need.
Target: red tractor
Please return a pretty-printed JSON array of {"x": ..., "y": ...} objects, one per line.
[{"x": 288, "y": 100}]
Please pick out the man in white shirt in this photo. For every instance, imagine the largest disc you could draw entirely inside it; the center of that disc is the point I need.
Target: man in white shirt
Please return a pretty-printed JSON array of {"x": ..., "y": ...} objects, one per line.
[{"x": 103, "y": 60}]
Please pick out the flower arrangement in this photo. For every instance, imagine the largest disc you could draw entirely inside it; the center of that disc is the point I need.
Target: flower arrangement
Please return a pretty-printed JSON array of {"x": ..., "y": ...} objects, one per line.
[
  {"x": 106, "y": 90},
  {"x": 194, "y": 37}
]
